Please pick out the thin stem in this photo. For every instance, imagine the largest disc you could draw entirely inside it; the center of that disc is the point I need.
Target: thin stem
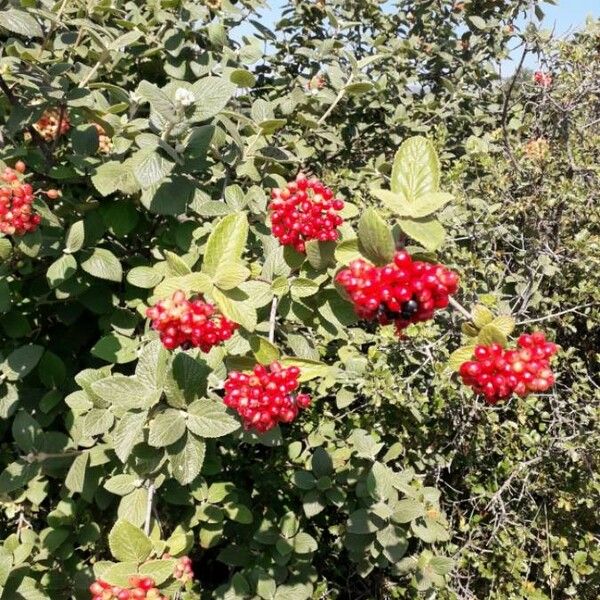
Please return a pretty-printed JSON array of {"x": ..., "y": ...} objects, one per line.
[
  {"x": 336, "y": 101},
  {"x": 272, "y": 318},
  {"x": 149, "y": 504},
  {"x": 509, "y": 92},
  {"x": 558, "y": 314},
  {"x": 460, "y": 308},
  {"x": 42, "y": 456}
]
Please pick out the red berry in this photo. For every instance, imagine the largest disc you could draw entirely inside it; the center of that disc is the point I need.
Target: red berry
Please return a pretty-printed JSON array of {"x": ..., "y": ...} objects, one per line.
[
  {"x": 17, "y": 216},
  {"x": 510, "y": 371},
  {"x": 193, "y": 323},
  {"x": 304, "y": 210},
  {"x": 402, "y": 292},
  {"x": 264, "y": 397}
]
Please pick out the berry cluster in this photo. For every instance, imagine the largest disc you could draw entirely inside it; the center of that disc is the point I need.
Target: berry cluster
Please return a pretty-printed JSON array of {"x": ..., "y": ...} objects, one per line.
[
  {"x": 316, "y": 83},
  {"x": 537, "y": 150},
  {"x": 105, "y": 144},
  {"x": 263, "y": 397},
  {"x": 403, "y": 292},
  {"x": 190, "y": 323},
  {"x": 142, "y": 588},
  {"x": 183, "y": 571},
  {"x": 17, "y": 216},
  {"x": 304, "y": 210},
  {"x": 496, "y": 372},
  {"x": 52, "y": 124},
  {"x": 542, "y": 79}
]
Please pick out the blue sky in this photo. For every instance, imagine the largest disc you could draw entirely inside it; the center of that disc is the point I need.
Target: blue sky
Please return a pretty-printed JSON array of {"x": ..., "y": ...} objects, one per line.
[{"x": 565, "y": 17}]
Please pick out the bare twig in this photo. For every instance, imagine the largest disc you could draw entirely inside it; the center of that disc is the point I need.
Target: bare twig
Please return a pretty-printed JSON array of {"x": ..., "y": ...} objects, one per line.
[
  {"x": 558, "y": 314},
  {"x": 337, "y": 99},
  {"x": 460, "y": 308},
  {"x": 273, "y": 318},
  {"x": 509, "y": 92},
  {"x": 149, "y": 505}
]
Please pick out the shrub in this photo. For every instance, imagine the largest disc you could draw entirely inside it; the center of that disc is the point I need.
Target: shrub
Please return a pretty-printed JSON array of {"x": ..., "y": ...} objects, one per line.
[{"x": 159, "y": 150}]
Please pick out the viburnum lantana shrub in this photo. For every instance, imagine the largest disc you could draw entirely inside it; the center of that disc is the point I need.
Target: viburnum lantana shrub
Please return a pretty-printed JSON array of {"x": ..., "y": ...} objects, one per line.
[{"x": 185, "y": 362}]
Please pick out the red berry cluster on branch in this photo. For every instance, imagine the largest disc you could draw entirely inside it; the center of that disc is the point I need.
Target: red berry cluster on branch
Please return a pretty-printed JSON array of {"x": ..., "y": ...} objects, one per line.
[
  {"x": 183, "y": 570},
  {"x": 190, "y": 323},
  {"x": 403, "y": 292},
  {"x": 52, "y": 124},
  {"x": 17, "y": 216},
  {"x": 496, "y": 373},
  {"x": 542, "y": 79},
  {"x": 263, "y": 397},
  {"x": 142, "y": 588},
  {"x": 304, "y": 210}
]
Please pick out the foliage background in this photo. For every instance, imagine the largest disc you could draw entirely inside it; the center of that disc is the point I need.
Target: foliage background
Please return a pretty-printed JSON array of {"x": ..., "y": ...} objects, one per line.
[{"x": 519, "y": 483}]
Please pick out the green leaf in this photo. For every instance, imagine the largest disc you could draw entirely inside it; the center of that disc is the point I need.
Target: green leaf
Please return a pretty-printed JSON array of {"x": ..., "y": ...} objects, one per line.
[
  {"x": 186, "y": 380},
  {"x": 159, "y": 101},
  {"x": 225, "y": 243},
  {"x": 113, "y": 176},
  {"x": 149, "y": 167},
  {"x": 375, "y": 239},
  {"x": 264, "y": 351},
  {"x": 76, "y": 476},
  {"x": 321, "y": 463},
  {"x": 177, "y": 266},
  {"x": 128, "y": 433},
  {"x": 5, "y": 298},
  {"x": 242, "y": 78},
  {"x": 125, "y": 392},
  {"x": 230, "y": 275},
  {"x": 408, "y": 510},
  {"x": 504, "y": 323},
  {"x": 192, "y": 283},
  {"x": 115, "y": 348},
  {"x": 482, "y": 315},
  {"x": 26, "y": 431},
  {"x": 103, "y": 264},
  {"x": 238, "y": 311},
  {"x": 144, "y": 277},
  {"x": 119, "y": 573},
  {"x": 129, "y": 543},
  {"x": 187, "y": 458},
  {"x": 442, "y": 565},
  {"x": 309, "y": 369},
  {"x": 152, "y": 367},
  {"x": 97, "y": 422},
  {"x": 304, "y": 543},
  {"x": 476, "y": 21},
  {"x": 302, "y": 287},
  {"x": 159, "y": 570},
  {"x": 212, "y": 95},
  {"x": 320, "y": 255},
  {"x": 428, "y": 232},
  {"x": 347, "y": 251},
  {"x": 416, "y": 208},
  {"x": 20, "y": 22},
  {"x": 121, "y": 484},
  {"x": 209, "y": 419},
  {"x": 490, "y": 334},
  {"x": 360, "y": 87},
  {"x": 60, "y": 270},
  {"x": 132, "y": 506},
  {"x": 459, "y": 356},
  {"x": 416, "y": 169},
  {"x": 166, "y": 428},
  {"x": 22, "y": 361},
  {"x": 363, "y": 522},
  {"x": 75, "y": 237}
]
